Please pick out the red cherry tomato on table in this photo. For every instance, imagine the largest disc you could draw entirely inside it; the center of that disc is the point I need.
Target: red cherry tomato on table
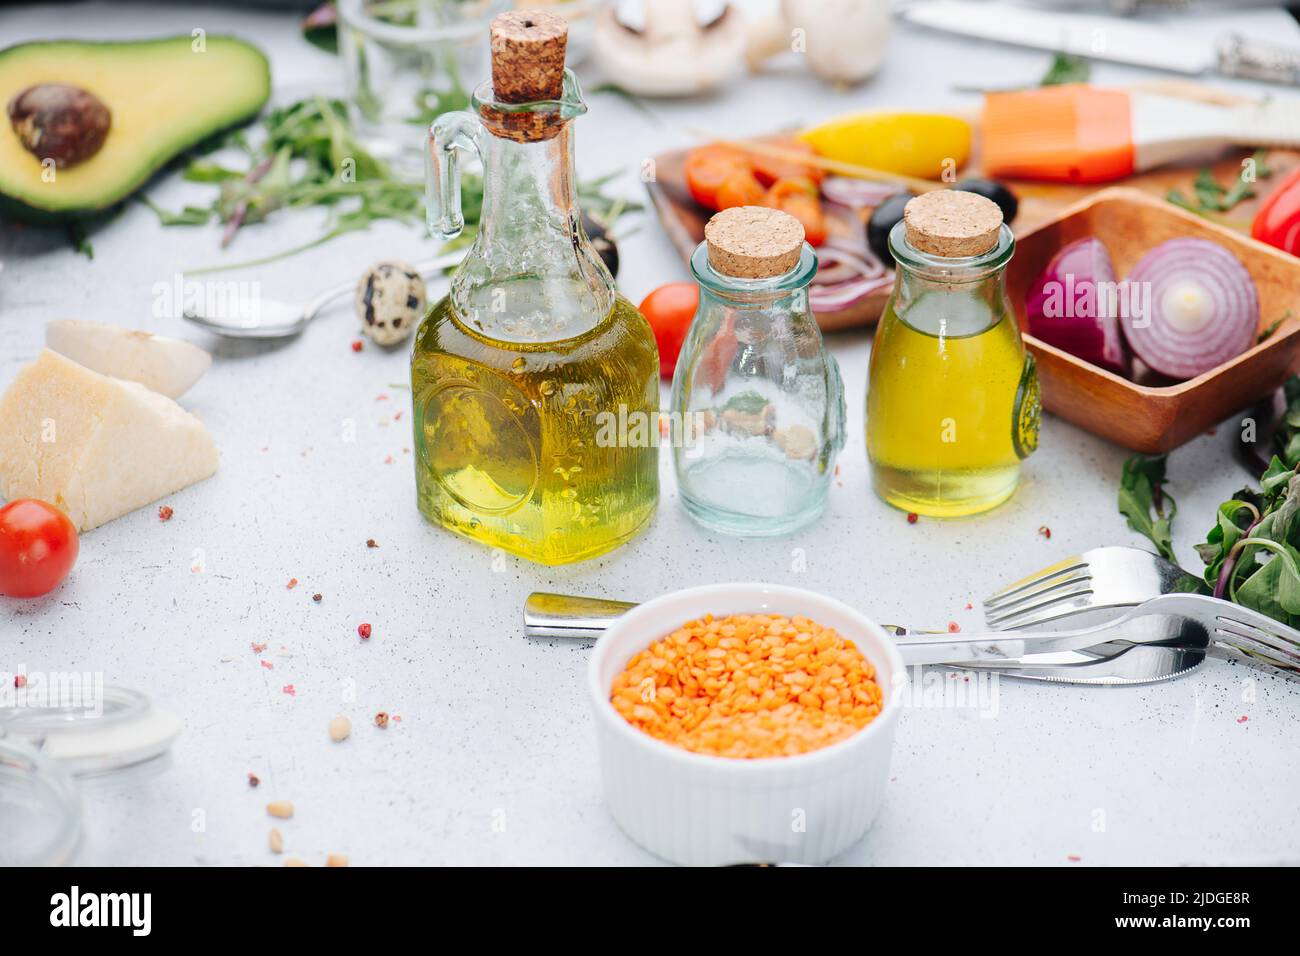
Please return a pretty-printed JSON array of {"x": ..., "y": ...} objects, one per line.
[
  {"x": 38, "y": 547},
  {"x": 669, "y": 309}
]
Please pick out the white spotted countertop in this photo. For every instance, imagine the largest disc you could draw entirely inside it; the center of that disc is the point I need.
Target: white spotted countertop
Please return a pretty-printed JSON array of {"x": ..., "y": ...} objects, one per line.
[{"x": 493, "y": 758}]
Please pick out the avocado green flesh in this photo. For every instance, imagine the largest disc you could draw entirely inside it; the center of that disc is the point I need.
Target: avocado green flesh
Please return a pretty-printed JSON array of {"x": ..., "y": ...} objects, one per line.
[{"x": 163, "y": 96}]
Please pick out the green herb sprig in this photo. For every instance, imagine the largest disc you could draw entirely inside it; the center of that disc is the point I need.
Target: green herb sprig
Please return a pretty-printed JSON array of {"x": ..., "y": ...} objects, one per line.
[{"x": 309, "y": 157}]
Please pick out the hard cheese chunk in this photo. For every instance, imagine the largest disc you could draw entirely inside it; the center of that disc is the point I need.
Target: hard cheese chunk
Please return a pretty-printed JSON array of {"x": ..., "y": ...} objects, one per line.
[{"x": 96, "y": 447}]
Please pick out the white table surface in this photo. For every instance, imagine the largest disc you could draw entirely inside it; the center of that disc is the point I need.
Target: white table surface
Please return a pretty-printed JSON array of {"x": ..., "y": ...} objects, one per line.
[{"x": 493, "y": 760}]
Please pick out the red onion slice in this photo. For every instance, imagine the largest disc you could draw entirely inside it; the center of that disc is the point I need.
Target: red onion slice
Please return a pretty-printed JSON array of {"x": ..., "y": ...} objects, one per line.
[
  {"x": 833, "y": 298},
  {"x": 858, "y": 193},
  {"x": 1190, "y": 305},
  {"x": 1073, "y": 305}
]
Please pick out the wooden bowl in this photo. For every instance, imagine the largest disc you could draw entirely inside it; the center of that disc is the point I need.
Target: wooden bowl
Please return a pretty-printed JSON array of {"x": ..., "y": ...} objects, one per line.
[{"x": 1155, "y": 417}]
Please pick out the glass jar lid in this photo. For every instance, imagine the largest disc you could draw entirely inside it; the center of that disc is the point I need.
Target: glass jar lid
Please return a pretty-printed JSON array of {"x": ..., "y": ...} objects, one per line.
[{"x": 49, "y": 746}]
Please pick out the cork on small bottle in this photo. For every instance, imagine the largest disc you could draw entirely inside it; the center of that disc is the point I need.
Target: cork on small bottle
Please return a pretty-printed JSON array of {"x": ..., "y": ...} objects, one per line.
[
  {"x": 952, "y": 224},
  {"x": 753, "y": 242},
  {"x": 528, "y": 48}
]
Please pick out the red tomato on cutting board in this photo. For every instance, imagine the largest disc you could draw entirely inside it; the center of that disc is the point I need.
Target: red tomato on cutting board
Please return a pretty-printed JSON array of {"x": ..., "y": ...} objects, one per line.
[{"x": 38, "y": 547}]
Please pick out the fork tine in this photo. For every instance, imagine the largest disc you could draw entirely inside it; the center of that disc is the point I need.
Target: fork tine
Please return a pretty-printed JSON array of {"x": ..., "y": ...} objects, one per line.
[
  {"x": 1243, "y": 642},
  {"x": 1036, "y": 594},
  {"x": 1049, "y": 606},
  {"x": 1261, "y": 638},
  {"x": 1071, "y": 564}
]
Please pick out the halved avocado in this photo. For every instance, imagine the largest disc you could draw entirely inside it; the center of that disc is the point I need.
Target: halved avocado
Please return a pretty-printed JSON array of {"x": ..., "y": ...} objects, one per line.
[{"x": 163, "y": 96}]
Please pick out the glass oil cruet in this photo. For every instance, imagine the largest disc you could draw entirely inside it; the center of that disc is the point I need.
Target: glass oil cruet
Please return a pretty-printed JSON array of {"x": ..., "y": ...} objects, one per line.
[
  {"x": 757, "y": 402},
  {"x": 535, "y": 384},
  {"x": 952, "y": 395}
]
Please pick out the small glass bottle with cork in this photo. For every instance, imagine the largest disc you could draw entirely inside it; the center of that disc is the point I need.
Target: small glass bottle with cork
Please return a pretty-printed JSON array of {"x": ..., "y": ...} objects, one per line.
[
  {"x": 952, "y": 397},
  {"x": 757, "y": 402}
]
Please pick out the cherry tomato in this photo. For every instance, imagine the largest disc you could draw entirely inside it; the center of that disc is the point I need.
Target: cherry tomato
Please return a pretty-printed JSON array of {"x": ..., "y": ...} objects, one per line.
[
  {"x": 669, "y": 309},
  {"x": 38, "y": 547},
  {"x": 708, "y": 167},
  {"x": 741, "y": 188},
  {"x": 769, "y": 170},
  {"x": 1278, "y": 220},
  {"x": 800, "y": 198}
]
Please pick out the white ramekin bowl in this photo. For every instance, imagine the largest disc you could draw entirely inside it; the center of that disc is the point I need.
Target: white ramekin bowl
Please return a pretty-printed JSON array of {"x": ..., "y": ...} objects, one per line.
[{"x": 699, "y": 810}]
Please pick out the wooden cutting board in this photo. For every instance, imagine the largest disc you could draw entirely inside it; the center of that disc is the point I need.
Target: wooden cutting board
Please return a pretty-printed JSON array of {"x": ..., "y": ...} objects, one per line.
[{"x": 683, "y": 218}]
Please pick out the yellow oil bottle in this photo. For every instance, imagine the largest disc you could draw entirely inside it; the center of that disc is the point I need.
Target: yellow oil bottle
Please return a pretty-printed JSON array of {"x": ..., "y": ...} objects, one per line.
[{"x": 952, "y": 398}]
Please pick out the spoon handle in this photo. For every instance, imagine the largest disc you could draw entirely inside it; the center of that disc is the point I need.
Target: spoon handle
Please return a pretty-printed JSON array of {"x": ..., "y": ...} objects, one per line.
[{"x": 427, "y": 268}]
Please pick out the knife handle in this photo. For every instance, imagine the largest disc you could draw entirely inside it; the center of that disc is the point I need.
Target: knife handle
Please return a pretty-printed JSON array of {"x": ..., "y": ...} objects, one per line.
[{"x": 1258, "y": 60}]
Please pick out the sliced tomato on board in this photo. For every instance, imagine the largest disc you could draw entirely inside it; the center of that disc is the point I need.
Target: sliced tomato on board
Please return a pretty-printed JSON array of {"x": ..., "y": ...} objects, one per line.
[
  {"x": 742, "y": 188},
  {"x": 769, "y": 169},
  {"x": 801, "y": 199},
  {"x": 708, "y": 167}
]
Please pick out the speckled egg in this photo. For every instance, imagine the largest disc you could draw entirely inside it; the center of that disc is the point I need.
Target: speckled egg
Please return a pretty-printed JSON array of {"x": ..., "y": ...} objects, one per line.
[{"x": 390, "y": 301}]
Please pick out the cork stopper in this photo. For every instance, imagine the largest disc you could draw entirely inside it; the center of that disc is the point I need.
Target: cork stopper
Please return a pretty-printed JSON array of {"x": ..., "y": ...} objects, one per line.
[
  {"x": 952, "y": 224},
  {"x": 527, "y": 67},
  {"x": 528, "y": 56},
  {"x": 753, "y": 242}
]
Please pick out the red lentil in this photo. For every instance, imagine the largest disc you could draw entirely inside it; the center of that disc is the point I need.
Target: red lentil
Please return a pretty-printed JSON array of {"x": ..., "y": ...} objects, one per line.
[{"x": 749, "y": 686}]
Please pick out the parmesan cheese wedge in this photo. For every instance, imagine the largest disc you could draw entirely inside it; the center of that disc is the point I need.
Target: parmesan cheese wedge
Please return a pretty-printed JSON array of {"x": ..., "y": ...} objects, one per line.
[
  {"x": 94, "y": 446},
  {"x": 168, "y": 366}
]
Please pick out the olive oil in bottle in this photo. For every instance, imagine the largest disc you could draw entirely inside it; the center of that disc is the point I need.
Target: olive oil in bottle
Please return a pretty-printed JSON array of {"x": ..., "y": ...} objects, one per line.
[
  {"x": 952, "y": 399},
  {"x": 535, "y": 384}
]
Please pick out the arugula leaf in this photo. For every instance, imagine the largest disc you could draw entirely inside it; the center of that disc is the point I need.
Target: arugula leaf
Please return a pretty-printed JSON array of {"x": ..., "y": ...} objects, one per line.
[
  {"x": 1066, "y": 68},
  {"x": 1212, "y": 197},
  {"x": 1142, "y": 500}
]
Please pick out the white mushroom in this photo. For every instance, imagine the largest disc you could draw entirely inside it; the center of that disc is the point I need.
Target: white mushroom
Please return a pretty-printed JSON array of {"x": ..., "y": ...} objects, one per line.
[
  {"x": 843, "y": 41},
  {"x": 667, "y": 48}
]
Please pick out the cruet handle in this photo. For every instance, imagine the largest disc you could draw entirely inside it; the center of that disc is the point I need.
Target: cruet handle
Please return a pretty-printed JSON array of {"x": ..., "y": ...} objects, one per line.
[{"x": 450, "y": 133}]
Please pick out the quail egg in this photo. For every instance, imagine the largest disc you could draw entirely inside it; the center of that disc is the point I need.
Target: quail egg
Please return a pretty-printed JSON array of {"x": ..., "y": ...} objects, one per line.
[{"x": 390, "y": 301}]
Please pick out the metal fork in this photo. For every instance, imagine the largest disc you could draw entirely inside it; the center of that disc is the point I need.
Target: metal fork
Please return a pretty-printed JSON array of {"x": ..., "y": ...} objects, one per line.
[
  {"x": 1100, "y": 583},
  {"x": 1099, "y": 579}
]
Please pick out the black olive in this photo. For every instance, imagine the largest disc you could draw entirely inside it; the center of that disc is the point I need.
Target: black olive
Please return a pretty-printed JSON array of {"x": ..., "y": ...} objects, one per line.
[
  {"x": 605, "y": 246},
  {"x": 992, "y": 189},
  {"x": 883, "y": 218}
]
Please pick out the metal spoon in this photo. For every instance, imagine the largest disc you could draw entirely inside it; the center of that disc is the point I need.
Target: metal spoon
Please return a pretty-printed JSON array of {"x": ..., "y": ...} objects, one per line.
[
  {"x": 259, "y": 318},
  {"x": 1182, "y": 644}
]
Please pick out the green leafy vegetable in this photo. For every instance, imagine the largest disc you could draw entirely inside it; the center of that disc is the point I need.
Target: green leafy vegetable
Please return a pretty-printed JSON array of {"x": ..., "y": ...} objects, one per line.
[
  {"x": 308, "y": 156},
  {"x": 1212, "y": 197},
  {"x": 1066, "y": 68},
  {"x": 1143, "y": 501}
]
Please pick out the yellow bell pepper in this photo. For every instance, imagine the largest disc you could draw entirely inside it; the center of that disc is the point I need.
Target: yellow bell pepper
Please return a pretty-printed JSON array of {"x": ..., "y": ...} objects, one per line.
[{"x": 911, "y": 144}]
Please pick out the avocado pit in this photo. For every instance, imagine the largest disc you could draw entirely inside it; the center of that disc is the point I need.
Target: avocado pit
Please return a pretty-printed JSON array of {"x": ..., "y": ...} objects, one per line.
[{"x": 59, "y": 122}]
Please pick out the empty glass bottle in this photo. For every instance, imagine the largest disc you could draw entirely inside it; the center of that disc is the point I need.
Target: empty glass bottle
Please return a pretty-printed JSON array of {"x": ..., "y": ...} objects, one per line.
[
  {"x": 757, "y": 402},
  {"x": 535, "y": 384}
]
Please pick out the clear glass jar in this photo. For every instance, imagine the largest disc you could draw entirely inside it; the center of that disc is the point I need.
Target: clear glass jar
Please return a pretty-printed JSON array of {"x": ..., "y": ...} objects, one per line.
[
  {"x": 405, "y": 62},
  {"x": 952, "y": 398},
  {"x": 535, "y": 384},
  {"x": 53, "y": 749},
  {"x": 757, "y": 402}
]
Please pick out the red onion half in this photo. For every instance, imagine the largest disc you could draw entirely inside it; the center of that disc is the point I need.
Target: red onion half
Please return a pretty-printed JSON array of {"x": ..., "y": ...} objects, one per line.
[
  {"x": 1191, "y": 307},
  {"x": 1073, "y": 305}
]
